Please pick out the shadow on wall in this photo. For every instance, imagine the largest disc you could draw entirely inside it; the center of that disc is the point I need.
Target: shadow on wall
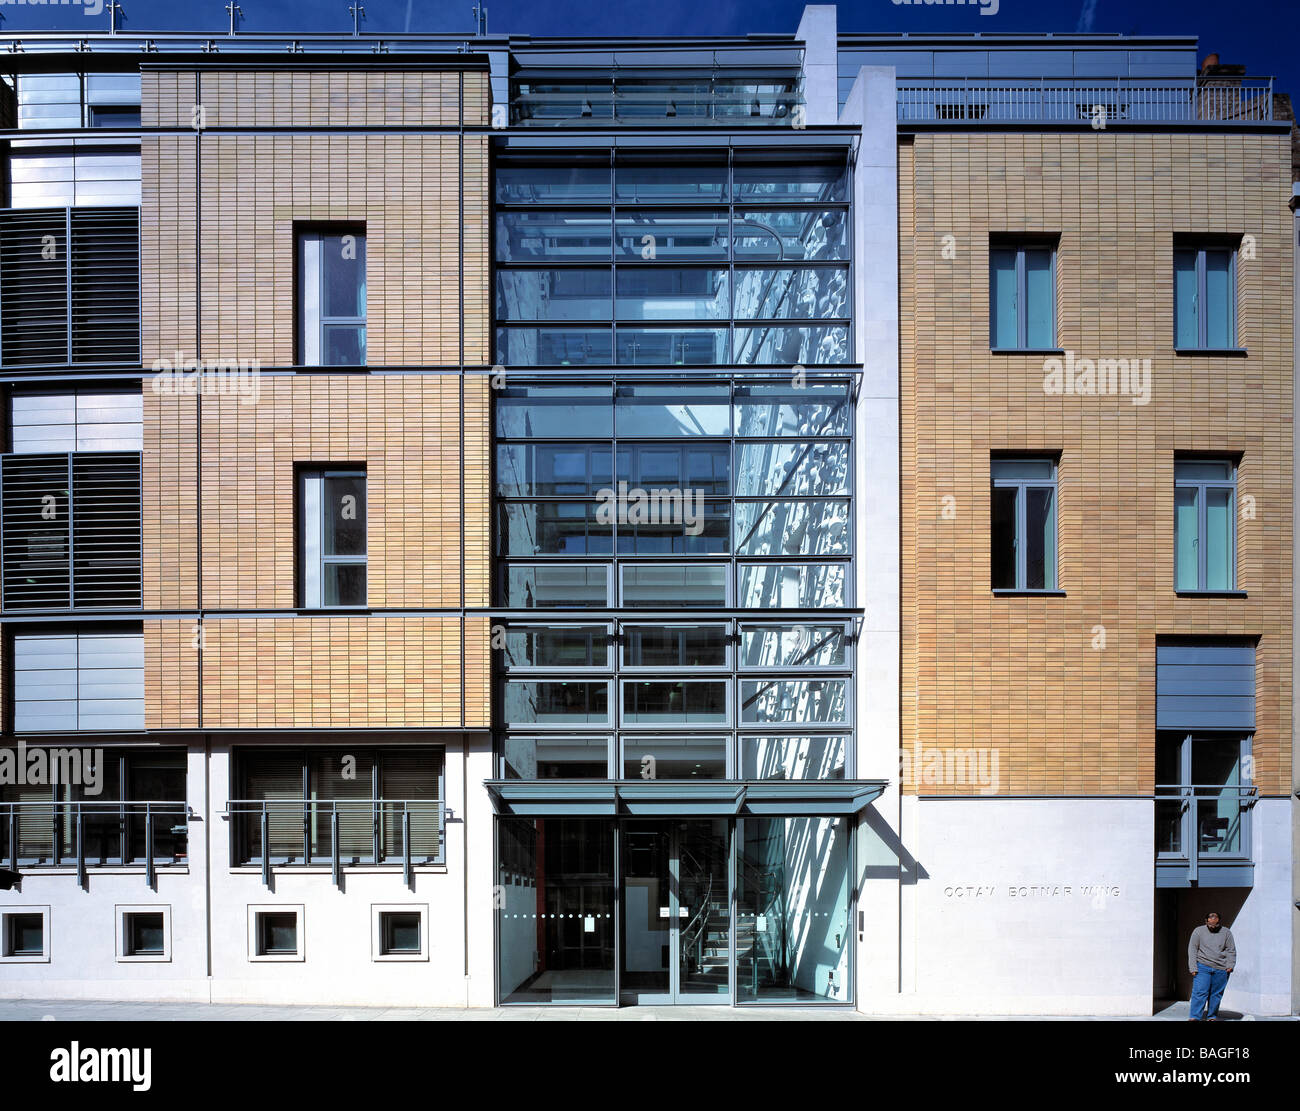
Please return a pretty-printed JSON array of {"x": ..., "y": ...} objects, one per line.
[{"x": 1178, "y": 913}]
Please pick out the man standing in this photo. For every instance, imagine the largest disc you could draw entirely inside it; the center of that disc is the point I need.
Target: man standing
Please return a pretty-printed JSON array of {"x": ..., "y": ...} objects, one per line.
[{"x": 1211, "y": 956}]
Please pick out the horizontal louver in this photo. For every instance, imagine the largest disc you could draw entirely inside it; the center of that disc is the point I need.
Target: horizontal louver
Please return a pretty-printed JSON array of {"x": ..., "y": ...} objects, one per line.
[
  {"x": 71, "y": 531},
  {"x": 76, "y": 302},
  {"x": 412, "y": 777}
]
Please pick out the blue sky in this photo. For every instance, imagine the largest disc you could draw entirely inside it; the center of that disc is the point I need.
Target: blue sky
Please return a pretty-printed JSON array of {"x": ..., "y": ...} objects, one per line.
[{"x": 1261, "y": 34}]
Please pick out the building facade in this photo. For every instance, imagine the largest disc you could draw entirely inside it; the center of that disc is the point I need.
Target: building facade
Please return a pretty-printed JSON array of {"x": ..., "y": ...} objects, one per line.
[{"x": 795, "y": 519}]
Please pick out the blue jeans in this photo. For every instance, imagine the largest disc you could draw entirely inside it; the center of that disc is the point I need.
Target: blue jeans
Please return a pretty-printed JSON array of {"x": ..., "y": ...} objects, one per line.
[{"x": 1209, "y": 982}]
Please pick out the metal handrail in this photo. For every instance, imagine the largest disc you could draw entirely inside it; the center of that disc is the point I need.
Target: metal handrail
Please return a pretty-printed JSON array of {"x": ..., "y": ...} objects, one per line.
[
  {"x": 312, "y": 810},
  {"x": 61, "y": 810}
]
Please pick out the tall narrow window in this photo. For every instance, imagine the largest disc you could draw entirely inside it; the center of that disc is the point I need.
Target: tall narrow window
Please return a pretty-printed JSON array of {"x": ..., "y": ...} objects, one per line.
[
  {"x": 332, "y": 516},
  {"x": 1022, "y": 296},
  {"x": 1024, "y": 524},
  {"x": 332, "y": 297},
  {"x": 1205, "y": 297},
  {"x": 1205, "y": 540}
]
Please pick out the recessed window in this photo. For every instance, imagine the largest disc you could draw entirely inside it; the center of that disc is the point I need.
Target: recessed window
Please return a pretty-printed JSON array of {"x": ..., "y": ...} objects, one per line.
[
  {"x": 1205, "y": 297},
  {"x": 144, "y": 933},
  {"x": 25, "y": 935},
  {"x": 332, "y": 297},
  {"x": 400, "y": 933},
  {"x": 1205, "y": 539},
  {"x": 1022, "y": 296},
  {"x": 1023, "y": 524},
  {"x": 275, "y": 933},
  {"x": 332, "y": 517}
]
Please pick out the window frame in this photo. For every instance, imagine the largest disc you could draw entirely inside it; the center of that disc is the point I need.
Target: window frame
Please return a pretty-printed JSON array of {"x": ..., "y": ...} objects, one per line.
[
  {"x": 1021, "y": 486},
  {"x": 123, "y": 914},
  {"x": 1202, "y": 486},
  {"x": 312, "y": 560},
  {"x": 1200, "y": 247},
  {"x": 1021, "y": 245},
  {"x": 7, "y": 955},
  {"x": 379, "y": 912},
  {"x": 310, "y": 292},
  {"x": 1186, "y": 740},
  {"x": 256, "y": 952}
]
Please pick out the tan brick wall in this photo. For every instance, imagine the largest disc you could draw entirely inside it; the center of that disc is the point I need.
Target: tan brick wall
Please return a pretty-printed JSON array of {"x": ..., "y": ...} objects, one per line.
[
  {"x": 1021, "y": 674},
  {"x": 168, "y": 249},
  {"x": 171, "y": 499},
  {"x": 171, "y": 674}
]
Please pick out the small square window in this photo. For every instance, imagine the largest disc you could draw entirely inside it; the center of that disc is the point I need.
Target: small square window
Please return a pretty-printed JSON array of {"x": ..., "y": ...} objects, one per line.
[
  {"x": 400, "y": 933},
  {"x": 144, "y": 933},
  {"x": 275, "y": 933},
  {"x": 25, "y": 935}
]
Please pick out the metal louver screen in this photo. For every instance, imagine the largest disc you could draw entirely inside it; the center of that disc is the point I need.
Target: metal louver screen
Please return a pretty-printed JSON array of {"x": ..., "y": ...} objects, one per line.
[
  {"x": 71, "y": 531},
  {"x": 70, "y": 286},
  {"x": 276, "y": 777},
  {"x": 414, "y": 777},
  {"x": 351, "y": 788}
]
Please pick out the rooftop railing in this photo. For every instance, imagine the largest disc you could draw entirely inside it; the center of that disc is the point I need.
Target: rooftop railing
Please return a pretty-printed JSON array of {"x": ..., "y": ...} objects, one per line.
[{"x": 1227, "y": 100}]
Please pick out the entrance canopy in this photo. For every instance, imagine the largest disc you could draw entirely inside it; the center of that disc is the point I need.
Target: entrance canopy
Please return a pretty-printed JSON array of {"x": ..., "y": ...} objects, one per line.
[{"x": 666, "y": 798}]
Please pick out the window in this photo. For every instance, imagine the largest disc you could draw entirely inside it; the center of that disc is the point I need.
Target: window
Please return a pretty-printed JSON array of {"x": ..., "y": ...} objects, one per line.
[
  {"x": 1204, "y": 795},
  {"x": 25, "y": 935},
  {"x": 1022, "y": 296},
  {"x": 1205, "y": 297},
  {"x": 1205, "y": 497},
  {"x": 300, "y": 806},
  {"x": 332, "y": 297},
  {"x": 332, "y": 516},
  {"x": 144, "y": 934},
  {"x": 400, "y": 933},
  {"x": 78, "y": 681},
  {"x": 1024, "y": 524},
  {"x": 275, "y": 933}
]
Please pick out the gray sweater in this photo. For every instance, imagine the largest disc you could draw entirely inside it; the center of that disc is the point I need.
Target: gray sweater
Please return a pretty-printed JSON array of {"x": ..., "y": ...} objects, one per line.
[{"x": 1215, "y": 948}]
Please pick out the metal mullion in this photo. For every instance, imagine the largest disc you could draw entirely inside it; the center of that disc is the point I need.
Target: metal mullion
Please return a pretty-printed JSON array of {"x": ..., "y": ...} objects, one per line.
[{"x": 67, "y": 252}]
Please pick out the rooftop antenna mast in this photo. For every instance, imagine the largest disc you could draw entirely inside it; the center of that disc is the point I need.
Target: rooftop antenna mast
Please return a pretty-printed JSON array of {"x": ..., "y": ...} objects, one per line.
[
  {"x": 358, "y": 13},
  {"x": 236, "y": 12},
  {"x": 113, "y": 9},
  {"x": 480, "y": 19}
]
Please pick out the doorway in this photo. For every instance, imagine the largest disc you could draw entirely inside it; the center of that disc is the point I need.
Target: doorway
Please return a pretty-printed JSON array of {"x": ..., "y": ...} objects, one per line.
[{"x": 676, "y": 914}]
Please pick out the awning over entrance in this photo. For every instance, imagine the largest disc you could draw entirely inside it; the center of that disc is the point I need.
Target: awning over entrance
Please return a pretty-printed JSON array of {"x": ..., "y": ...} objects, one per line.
[{"x": 715, "y": 798}]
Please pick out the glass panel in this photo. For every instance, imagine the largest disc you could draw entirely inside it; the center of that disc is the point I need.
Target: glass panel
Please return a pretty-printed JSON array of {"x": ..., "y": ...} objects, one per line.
[
  {"x": 670, "y": 646},
  {"x": 656, "y": 703},
  {"x": 555, "y": 702},
  {"x": 278, "y": 933},
  {"x": 819, "y": 409},
  {"x": 792, "y": 646},
  {"x": 793, "y": 700},
  {"x": 546, "y": 184},
  {"x": 555, "y": 913},
  {"x": 706, "y": 467},
  {"x": 549, "y": 470},
  {"x": 1040, "y": 299},
  {"x": 158, "y": 777},
  {"x": 1022, "y": 468},
  {"x": 663, "y": 527},
  {"x": 654, "y": 293},
  {"x": 1186, "y": 567},
  {"x": 674, "y": 757},
  {"x": 1169, "y": 827},
  {"x": 1214, "y": 470},
  {"x": 552, "y": 528},
  {"x": 554, "y": 346},
  {"x": 145, "y": 934},
  {"x": 786, "y": 345},
  {"x": 792, "y": 905},
  {"x": 1186, "y": 329},
  {"x": 343, "y": 584},
  {"x": 1040, "y": 550},
  {"x": 1219, "y": 308},
  {"x": 793, "y": 757},
  {"x": 669, "y": 587},
  {"x": 813, "y": 292},
  {"x": 553, "y": 294},
  {"x": 672, "y": 346},
  {"x": 343, "y": 345},
  {"x": 1003, "y": 529},
  {"x": 343, "y": 509},
  {"x": 792, "y": 469},
  {"x": 531, "y": 586},
  {"x": 703, "y": 909},
  {"x": 350, "y": 789},
  {"x": 1218, "y": 539},
  {"x": 792, "y": 586},
  {"x": 557, "y": 236},
  {"x": 792, "y": 528},
  {"x": 1216, "y": 772},
  {"x": 661, "y": 184},
  {"x": 671, "y": 236},
  {"x": 343, "y": 275},
  {"x": 527, "y": 412},
  {"x": 647, "y": 924},
  {"x": 401, "y": 932},
  {"x": 556, "y": 757},
  {"x": 809, "y": 182},
  {"x": 792, "y": 234},
  {"x": 685, "y": 410},
  {"x": 556, "y": 647},
  {"x": 26, "y": 935},
  {"x": 1002, "y": 296}
]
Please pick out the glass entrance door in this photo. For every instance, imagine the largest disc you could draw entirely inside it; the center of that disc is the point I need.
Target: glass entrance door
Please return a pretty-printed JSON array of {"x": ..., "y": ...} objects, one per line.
[{"x": 676, "y": 942}]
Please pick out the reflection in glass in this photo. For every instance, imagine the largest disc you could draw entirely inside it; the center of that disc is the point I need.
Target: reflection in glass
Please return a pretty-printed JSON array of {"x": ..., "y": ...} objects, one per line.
[
  {"x": 519, "y": 346},
  {"x": 531, "y": 184},
  {"x": 659, "y": 293},
  {"x": 555, "y": 585},
  {"x": 793, "y": 757},
  {"x": 804, "y": 182},
  {"x": 672, "y": 346},
  {"x": 524, "y": 412},
  {"x": 791, "y": 586},
  {"x": 819, "y": 409},
  {"x": 793, "y": 700},
  {"x": 792, "y": 528},
  {"x": 553, "y": 294},
  {"x": 553, "y": 470},
  {"x": 659, "y": 184},
  {"x": 556, "y": 236},
  {"x": 792, "y": 646},
  {"x": 552, "y": 528},
  {"x": 675, "y": 646},
  {"x": 555, "y": 702},
  {"x": 668, "y": 586},
  {"x": 671, "y": 236},
  {"x": 674, "y": 757},
  {"x": 1216, "y": 769},
  {"x": 689, "y": 702},
  {"x": 792, "y": 234},
  {"x": 685, "y": 410},
  {"x": 792, "y": 469},
  {"x": 556, "y": 647},
  {"x": 814, "y": 292},
  {"x": 556, "y": 757}
]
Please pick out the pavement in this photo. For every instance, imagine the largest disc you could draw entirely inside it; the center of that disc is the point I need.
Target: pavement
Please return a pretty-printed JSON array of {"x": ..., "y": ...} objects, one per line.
[{"x": 37, "y": 1010}]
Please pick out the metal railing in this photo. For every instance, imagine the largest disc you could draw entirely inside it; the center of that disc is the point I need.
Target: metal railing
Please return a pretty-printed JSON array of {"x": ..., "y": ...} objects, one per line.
[
  {"x": 1183, "y": 819},
  {"x": 273, "y": 832},
  {"x": 94, "y": 835},
  {"x": 1054, "y": 100}
]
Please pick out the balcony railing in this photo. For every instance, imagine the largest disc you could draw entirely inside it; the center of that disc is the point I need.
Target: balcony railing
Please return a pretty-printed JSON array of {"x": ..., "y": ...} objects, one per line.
[
  {"x": 1054, "y": 100},
  {"x": 94, "y": 835},
  {"x": 277, "y": 832},
  {"x": 1203, "y": 834}
]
